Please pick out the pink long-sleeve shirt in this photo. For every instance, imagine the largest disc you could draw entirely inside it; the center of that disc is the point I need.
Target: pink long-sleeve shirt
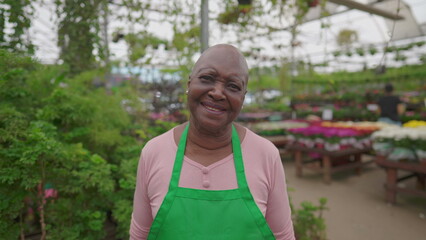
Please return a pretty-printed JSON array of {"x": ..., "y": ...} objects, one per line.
[{"x": 264, "y": 174}]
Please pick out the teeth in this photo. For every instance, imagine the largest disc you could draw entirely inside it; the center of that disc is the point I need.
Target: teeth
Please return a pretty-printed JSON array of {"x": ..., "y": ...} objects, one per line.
[{"x": 213, "y": 109}]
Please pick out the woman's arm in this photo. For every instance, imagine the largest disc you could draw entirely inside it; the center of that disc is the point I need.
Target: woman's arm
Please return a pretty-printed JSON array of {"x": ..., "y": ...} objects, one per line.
[
  {"x": 278, "y": 213},
  {"x": 142, "y": 215}
]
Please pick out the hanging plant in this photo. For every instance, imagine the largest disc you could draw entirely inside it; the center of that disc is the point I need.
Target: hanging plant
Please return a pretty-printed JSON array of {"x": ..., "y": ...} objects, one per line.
[
  {"x": 423, "y": 58},
  {"x": 421, "y": 43},
  {"x": 372, "y": 50},
  {"x": 78, "y": 34},
  {"x": 337, "y": 53},
  {"x": 230, "y": 16},
  {"x": 411, "y": 45},
  {"x": 390, "y": 49},
  {"x": 400, "y": 57},
  {"x": 117, "y": 36},
  {"x": 235, "y": 13},
  {"x": 139, "y": 42},
  {"x": 244, "y": 6},
  {"x": 346, "y": 38},
  {"x": 403, "y": 48},
  {"x": 360, "y": 51},
  {"x": 244, "y": 2},
  {"x": 17, "y": 16},
  {"x": 325, "y": 25}
]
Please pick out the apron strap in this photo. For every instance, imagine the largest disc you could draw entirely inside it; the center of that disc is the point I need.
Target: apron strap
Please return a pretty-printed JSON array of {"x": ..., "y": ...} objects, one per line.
[
  {"x": 245, "y": 190},
  {"x": 238, "y": 160},
  {"x": 174, "y": 181}
]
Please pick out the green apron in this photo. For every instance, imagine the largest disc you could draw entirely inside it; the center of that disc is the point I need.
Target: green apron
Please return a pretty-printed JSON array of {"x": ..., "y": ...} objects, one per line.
[{"x": 194, "y": 214}]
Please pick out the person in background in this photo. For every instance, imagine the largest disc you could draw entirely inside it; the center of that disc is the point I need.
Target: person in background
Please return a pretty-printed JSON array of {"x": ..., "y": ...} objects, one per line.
[
  {"x": 390, "y": 107},
  {"x": 210, "y": 178}
]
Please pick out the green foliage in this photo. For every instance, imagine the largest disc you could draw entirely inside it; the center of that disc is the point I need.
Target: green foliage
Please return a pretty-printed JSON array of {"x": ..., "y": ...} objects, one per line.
[
  {"x": 274, "y": 105},
  {"x": 78, "y": 33},
  {"x": 346, "y": 38},
  {"x": 259, "y": 81},
  {"x": 308, "y": 221},
  {"x": 235, "y": 15},
  {"x": 74, "y": 136},
  {"x": 11, "y": 205},
  {"x": 126, "y": 155},
  {"x": 348, "y": 114},
  {"x": 18, "y": 17},
  {"x": 86, "y": 140},
  {"x": 403, "y": 75},
  {"x": 138, "y": 44}
]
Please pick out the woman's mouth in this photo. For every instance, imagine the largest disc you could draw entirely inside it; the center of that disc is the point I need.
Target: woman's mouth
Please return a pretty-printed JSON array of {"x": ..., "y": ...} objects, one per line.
[{"x": 213, "y": 108}]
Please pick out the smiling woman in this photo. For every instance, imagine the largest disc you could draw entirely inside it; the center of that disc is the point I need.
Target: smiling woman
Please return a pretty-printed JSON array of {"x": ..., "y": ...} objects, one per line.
[
  {"x": 198, "y": 180},
  {"x": 216, "y": 90}
]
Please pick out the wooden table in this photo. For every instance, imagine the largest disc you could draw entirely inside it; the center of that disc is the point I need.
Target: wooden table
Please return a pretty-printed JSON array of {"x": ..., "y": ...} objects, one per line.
[
  {"x": 330, "y": 161},
  {"x": 416, "y": 170}
]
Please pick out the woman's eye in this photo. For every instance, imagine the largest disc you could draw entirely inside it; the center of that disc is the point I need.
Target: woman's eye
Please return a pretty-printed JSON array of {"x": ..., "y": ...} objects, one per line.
[
  {"x": 207, "y": 78},
  {"x": 234, "y": 87}
]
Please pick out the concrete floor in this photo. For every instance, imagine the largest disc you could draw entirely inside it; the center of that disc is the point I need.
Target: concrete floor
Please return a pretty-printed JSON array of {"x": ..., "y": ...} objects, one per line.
[{"x": 357, "y": 206}]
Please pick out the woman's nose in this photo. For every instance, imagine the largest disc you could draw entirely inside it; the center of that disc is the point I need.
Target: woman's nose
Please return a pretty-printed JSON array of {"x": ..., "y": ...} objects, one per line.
[{"x": 217, "y": 92}]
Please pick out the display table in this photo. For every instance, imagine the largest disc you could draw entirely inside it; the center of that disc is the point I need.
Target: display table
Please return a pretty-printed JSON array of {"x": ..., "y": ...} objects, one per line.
[
  {"x": 329, "y": 162},
  {"x": 416, "y": 170}
]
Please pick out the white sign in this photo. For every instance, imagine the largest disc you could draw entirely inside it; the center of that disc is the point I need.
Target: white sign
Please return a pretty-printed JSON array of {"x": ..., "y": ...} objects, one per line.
[{"x": 327, "y": 114}]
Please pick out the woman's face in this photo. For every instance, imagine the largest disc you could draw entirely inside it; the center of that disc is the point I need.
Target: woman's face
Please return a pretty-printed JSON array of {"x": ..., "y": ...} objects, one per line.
[{"x": 217, "y": 88}]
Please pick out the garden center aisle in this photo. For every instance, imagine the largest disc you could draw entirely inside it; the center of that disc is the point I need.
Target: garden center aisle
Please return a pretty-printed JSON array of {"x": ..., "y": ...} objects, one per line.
[{"x": 357, "y": 206}]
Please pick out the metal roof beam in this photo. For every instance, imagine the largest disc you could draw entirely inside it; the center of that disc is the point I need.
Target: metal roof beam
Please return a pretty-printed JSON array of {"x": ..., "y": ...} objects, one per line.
[{"x": 367, "y": 8}]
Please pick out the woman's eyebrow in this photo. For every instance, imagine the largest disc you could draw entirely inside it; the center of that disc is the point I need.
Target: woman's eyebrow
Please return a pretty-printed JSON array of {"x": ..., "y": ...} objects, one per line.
[
  {"x": 206, "y": 68},
  {"x": 235, "y": 77}
]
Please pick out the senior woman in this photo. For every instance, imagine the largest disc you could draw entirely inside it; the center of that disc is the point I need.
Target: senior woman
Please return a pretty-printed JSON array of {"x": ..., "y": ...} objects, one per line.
[{"x": 211, "y": 178}]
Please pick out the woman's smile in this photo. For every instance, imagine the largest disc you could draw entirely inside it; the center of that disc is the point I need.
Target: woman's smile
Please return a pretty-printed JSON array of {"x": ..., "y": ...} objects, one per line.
[{"x": 213, "y": 108}]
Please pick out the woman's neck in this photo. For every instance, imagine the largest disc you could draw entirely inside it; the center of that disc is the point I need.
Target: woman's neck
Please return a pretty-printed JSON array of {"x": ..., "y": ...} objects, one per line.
[
  {"x": 209, "y": 140},
  {"x": 207, "y": 147}
]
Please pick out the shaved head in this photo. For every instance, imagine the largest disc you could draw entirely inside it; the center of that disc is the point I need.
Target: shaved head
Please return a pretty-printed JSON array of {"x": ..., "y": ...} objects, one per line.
[{"x": 227, "y": 50}]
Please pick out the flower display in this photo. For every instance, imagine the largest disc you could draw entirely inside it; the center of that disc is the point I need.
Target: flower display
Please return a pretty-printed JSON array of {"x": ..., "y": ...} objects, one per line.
[
  {"x": 331, "y": 137},
  {"x": 400, "y": 133},
  {"x": 365, "y": 126},
  {"x": 415, "y": 124},
  {"x": 401, "y": 143},
  {"x": 278, "y": 127}
]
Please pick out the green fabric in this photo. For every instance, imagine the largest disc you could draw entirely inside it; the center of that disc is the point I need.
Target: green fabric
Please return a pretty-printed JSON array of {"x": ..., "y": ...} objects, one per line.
[{"x": 209, "y": 214}]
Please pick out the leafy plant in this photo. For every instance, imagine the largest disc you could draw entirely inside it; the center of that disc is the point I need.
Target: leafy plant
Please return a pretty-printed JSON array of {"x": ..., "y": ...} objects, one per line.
[
  {"x": 346, "y": 37},
  {"x": 372, "y": 50},
  {"x": 78, "y": 31},
  {"x": 308, "y": 221},
  {"x": 18, "y": 17},
  {"x": 337, "y": 53},
  {"x": 360, "y": 51},
  {"x": 73, "y": 136}
]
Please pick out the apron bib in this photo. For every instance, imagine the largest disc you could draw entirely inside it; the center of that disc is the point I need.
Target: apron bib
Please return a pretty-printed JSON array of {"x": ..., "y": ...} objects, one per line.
[{"x": 194, "y": 214}]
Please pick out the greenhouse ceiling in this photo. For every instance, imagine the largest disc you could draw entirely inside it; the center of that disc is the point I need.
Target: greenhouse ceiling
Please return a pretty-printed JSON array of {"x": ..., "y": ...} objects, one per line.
[{"x": 264, "y": 32}]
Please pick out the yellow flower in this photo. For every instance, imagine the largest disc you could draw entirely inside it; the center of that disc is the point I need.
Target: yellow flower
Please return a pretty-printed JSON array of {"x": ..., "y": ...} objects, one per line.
[{"x": 415, "y": 124}]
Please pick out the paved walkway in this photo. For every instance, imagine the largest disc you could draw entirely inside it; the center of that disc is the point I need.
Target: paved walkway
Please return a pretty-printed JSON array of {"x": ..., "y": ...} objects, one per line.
[{"x": 357, "y": 207}]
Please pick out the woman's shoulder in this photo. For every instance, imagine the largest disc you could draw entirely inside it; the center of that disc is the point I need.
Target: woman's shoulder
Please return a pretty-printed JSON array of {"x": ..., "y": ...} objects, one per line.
[
  {"x": 260, "y": 154},
  {"x": 159, "y": 142},
  {"x": 255, "y": 141}
]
